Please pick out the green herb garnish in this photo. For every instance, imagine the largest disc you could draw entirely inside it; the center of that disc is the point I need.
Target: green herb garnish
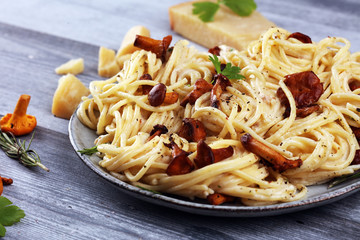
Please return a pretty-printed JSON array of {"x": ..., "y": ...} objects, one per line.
[
  {"x": 344, "y": 178},
  {"x": 89, "y": 151},
  {"x": 16, "y": 149},
  {"x": 207, "y": 10},
  {"x": 9, "y": 214},
  {"x": 231, "y": 72},
  {"x": 156, "y": 192}
]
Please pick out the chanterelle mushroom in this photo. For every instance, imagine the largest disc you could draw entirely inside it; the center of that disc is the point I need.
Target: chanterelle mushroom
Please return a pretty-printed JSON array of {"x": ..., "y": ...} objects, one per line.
[
  {"x": 180, "y": 164},
  {"x": 159, "y": 47},
  {"x": 157, "y": 130},
  {"x": 277, "y": 161},
  {"x": 19, "y": 123},
  {"x": 306, "y": 89},
  {"x": 192, "y": 130},
  {"x": 201, "y": 86},
  {"x": 206, "y": 155}
]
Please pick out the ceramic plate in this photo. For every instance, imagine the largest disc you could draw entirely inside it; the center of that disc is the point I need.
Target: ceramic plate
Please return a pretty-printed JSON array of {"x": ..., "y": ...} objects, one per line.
[{"x": 82, "y": 137}]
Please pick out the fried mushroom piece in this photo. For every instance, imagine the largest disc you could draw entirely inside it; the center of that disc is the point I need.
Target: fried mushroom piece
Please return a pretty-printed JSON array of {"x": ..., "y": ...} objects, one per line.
[
  {"x": 206, "y": 155},
  {"x": 356, "y": 132},
  {"x": 201, "y": 86},
  {"x": 192, "y": 130},
  {"x": 159, "y": 47},
  {"x": 301, "y": 37},
  {"x": 221, "y": 82},
  {"x": 145, "y": 88},
  {"x": 302, "y": 112},
  {"x": 180, "y": 164},
  {"x": 171, "y": 97},
  {"x": 157, "y": 130},
  {"x": 158, "y": 95},
  {"x": 306, "y": 111},
  {"x": 356, "y": 159},
  {"x": 218, "y": 198},
  {"x": 354, "y": 84},
  {"x": 215, "y": 50},
  {"x": 222, "y": 153},
  {"x": 6, "y": 181},
  {"x": 306, "y": 89},
  {"x": 277, "y": 161}
]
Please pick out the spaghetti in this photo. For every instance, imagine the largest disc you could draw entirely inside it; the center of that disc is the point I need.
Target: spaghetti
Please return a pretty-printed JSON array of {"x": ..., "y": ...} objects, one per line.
[{"x": 324, "y": 140}]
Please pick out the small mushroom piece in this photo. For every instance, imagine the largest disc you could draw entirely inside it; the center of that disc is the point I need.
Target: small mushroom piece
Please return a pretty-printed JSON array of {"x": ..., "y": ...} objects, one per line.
[
  {"x": 171, "y": 97},
  {"x": 3, "y": 182},
  {"x": 6, "y": 181},
  {"x": 157, "y": 94},
  {"x": 206, "y": 155},
  {"x": 306, "y": 111},
  {"x": 218, "y": 198},
  {"x": 201, "y": 87},
  {"x": 356, "y": 132},
  {"x": 157, "y": 130},
  {"x": 145, "y": 76},
  {"x": 192, "y": 130},
  {"x": 356, "y": 159},
  {"x": 19, "y": 123},
  {"x": 221, "y": 82},
  {"x": 301, "y": 37},
  {"x": 222, "y": 153},
  {"x": 277, "y": 161},
  {"x": 159, "y": 47},
  {"x": 180, "y": 164},
  {"x": 303, "y": 111},
  {"x": 146, "y": 88},
  {"x": 215, "y": 50},
  {"x": 354, "y": 84}
]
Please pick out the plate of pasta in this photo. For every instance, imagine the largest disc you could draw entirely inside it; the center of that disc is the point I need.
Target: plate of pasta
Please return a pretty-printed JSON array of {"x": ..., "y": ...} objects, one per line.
[{"x": 228, "y": 133}]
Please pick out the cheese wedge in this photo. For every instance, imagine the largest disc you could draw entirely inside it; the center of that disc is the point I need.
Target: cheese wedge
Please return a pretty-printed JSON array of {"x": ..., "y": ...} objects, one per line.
[
  {"x": 73, "y": 66},
  {"x": 67, "y": 96},
  {"x": 127, "y": 45},
  {"x": 107, "y": 66},
  {"x": 227, "y": 28}
]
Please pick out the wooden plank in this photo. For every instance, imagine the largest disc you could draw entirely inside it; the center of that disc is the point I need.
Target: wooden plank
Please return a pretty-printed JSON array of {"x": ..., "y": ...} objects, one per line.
[{"x": 72, "y": 202}]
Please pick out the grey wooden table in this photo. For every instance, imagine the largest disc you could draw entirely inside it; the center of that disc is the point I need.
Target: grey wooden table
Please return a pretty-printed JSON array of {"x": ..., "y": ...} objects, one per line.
[{"x": 71, "y": 201}]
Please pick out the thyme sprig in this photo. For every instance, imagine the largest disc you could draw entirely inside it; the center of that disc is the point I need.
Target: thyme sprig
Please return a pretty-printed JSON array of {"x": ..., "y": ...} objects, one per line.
[
  {"x": 89, "y": 151},
  {"x": 17, "y": 149},
  {"x": 344, "y": 178}
]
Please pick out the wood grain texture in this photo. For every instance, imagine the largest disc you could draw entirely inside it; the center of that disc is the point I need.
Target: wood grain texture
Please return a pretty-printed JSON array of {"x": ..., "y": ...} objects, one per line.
[{"x": 72, "y": 202}]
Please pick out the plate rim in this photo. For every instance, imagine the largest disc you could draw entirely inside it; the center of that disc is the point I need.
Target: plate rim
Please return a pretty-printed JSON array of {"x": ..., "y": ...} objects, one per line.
[{"x": 189, "y": 206}]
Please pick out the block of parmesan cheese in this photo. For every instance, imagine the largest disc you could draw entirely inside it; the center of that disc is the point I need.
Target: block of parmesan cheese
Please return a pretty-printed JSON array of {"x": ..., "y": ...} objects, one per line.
[
  {"x": 68, "y": 96},
  {"x": 227, "y": 28}
]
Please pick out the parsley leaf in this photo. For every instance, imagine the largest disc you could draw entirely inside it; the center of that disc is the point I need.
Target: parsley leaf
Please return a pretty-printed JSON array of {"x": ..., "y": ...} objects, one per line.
[
  {"x": 231, "y": 72},
  {"x": 241, "y": 7},
  {"x": 217, "y": 64},
  {"x": 207, "y": 10},
  {"x": 9, "y": 214}
]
